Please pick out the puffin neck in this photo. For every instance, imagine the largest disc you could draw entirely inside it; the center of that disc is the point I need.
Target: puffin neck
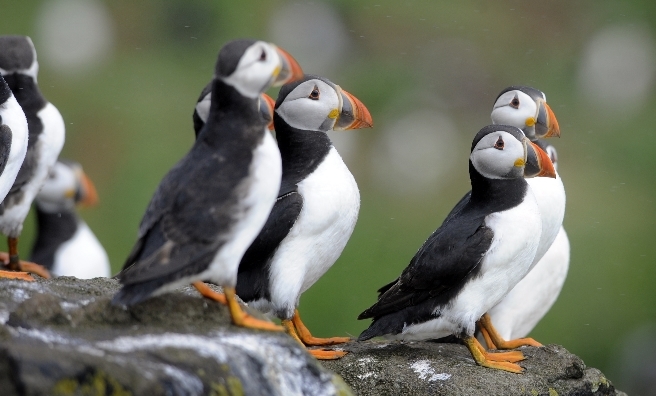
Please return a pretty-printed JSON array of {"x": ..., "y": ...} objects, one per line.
[
  {"x": 26, "y": 92},
  {"x": 301, "y": 151},
  {"x": 229, "y": 108},
  {"x": 505, "y": 193},
  {"x": 54, "y": 229}
]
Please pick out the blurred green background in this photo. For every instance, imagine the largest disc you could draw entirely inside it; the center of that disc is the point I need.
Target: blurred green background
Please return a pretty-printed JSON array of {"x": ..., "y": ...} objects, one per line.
[{"x": 126, "y": 76}]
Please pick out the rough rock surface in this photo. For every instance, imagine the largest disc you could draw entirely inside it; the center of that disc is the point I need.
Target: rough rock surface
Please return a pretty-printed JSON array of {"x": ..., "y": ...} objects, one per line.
[
  {"x": 63, "y": 337},
  {"x": 429, "y": 368}
]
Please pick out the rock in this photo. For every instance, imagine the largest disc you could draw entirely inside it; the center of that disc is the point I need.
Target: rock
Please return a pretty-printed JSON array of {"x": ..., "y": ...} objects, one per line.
[
  {"x": 429, "y": 368},
  {"x": 63, "y": 337}
]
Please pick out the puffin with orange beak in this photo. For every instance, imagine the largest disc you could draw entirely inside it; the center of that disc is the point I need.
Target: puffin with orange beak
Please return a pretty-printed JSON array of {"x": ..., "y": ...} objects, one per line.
[
  {"x": 213, "y": 203},
  {"x": 476, "y": 256},
  {"x": 65, "y": 245},
  {"x": 316, "y": 209}
]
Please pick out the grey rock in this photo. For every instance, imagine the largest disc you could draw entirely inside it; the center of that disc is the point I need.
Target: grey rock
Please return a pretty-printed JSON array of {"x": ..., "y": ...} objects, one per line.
[
  {"x": 430, "y": 368},
  {"x": 63, "y": 337}
]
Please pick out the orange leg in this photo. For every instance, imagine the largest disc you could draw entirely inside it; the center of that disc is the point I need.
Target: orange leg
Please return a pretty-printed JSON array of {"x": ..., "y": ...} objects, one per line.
[
  {"x": 483, "y": 359},
  {"x": 239, "y": 317},
  {"x": 306, "y": 337},
  {"x": 486, "y": 336},
  {"x": 16, "y": 275},
  {"x": 317, "y": 353},
  {"x": 512, "y": 356},
  {"x": 25, "y": 266},
  {"x": 486, "y": 323}
]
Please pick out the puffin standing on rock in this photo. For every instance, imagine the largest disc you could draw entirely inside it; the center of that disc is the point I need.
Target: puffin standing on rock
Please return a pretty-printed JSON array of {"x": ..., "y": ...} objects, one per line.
[
  {"x": 212, "y": 204},
  {"x": 19, "y": 67},
  {"x": 13, "y": 146},
  {"x": 476, "y": 256},
  {"x": 64, "y": 244},
  {"x": 316, "y": 209},
  {"x": 518, "y": 313}
]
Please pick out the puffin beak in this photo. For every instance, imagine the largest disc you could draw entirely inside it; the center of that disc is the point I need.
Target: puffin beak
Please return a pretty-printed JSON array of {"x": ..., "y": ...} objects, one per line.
[
  {"x": 538, "y": 163},
  {"x": 546, "y": 124},
  {"x": 87, "y": 194},
  {"x": 289, "y": 71},
  {"x": 266, "y": 106},
  {"x": 354, "y": 114}
]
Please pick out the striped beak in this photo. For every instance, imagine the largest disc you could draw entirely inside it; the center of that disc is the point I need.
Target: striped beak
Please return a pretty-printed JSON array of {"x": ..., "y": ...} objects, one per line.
[{"x": 354, "y": 114}]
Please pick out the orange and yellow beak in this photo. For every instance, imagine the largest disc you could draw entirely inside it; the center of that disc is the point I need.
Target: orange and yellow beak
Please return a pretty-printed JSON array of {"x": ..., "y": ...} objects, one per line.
[
  {"x": 290, "y": 70},
  {"x": 266, "y": 107},
  {"x": 546, "y": 124},
  {"x": 87, "y": 195},
  {"x": 354, "y": 114},
  {"x": 538, "y": 163}
]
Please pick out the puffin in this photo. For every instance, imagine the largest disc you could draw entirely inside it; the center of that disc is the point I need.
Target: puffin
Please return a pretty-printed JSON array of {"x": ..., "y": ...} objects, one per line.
[
  {"x": 526, "y": 108},
  {"x": 13, "y": 146},
  {"x": 476, "y": 256},
  {"x": 316, "y": 209},
  {"x": 212, "y": 204},
  {"x": 19, "y": 67},
  {"x": 202, "y": 108},
  {"x": 64, "y": 244},
  {"x": 528, "y": 302}
]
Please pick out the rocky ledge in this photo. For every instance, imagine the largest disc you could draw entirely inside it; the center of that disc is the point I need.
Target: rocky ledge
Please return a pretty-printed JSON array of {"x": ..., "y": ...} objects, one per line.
[
  {"x": 431, "y": 368},
  {"x": 63, "y": 337}
]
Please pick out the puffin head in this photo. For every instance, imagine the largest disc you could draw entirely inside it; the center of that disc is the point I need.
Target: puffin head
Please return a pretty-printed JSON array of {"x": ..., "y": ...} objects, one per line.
[
  {"x": 316, "y": 104},
  {"x": 66, "y": 186},
  {"x": 525, "y": 108},
  {"x": 18, "y": 55},
  {"x": 252, "y": 66},
  {"x": 504, "y": 152}
]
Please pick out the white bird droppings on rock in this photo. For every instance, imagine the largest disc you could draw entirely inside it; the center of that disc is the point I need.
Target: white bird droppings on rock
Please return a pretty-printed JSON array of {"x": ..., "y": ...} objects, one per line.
[{"x": 425, "y": 371}]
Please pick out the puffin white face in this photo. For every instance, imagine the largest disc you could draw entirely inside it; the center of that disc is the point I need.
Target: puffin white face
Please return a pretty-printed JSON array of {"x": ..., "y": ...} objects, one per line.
[
  {"x": 257, "y": 69},
  {"x": 499, "y": 155},
  {"x": 313, "y": 105},
  {"x": 515, "y": 108},
  {"x": 59, "y": 190}
]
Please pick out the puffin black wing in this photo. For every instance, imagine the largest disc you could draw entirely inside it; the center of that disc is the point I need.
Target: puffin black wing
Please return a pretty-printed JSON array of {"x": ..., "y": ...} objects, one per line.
[
  {"x": 438, "y": 271},
  {"x": 253, "y": 276},
  {"x": 459, "y": 206},
  {"x": 182, "y": 230},
  {"x": 5, "y": 146}
]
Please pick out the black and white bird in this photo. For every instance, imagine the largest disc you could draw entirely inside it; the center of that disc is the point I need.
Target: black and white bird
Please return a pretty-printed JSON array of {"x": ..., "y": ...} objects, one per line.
[
  {"x": 516, "y": 315},
  {"x": 202, "y": 108},
  {"x": 19, "y": 67},
  {"x": 316, "y": 209},
  {"x": 476, "y": 256},
  {"x": 64, "y": 244},
  {"x": 528, "y": 302},
  {"x": 212, "y": 204},
  {"x": 526, "y": 108},
  {"x": 13, "y": 146}
]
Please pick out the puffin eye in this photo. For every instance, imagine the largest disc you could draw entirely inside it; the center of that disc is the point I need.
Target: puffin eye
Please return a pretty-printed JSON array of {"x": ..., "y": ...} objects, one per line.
[
  {"x": 514, "y": 103},
  {"x": 314, "y": 95},
  {"x": 52, "y": 175},
  {"x": 499, "y": 144},
  {"x": 263, "y": 56}
]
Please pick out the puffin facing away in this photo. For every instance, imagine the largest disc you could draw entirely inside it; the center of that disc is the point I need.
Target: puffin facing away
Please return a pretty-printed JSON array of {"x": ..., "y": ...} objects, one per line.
[
  {"x": 19, "y": 67},
  {"x": 64, "y": 244},
  {"x": 13, "y": 146},
  {"x": 316, "y": 209},
  {"x": 202, "y": 110},
  {"x": 212, "y": 204},
  {"x": 476, "y": 256}
]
